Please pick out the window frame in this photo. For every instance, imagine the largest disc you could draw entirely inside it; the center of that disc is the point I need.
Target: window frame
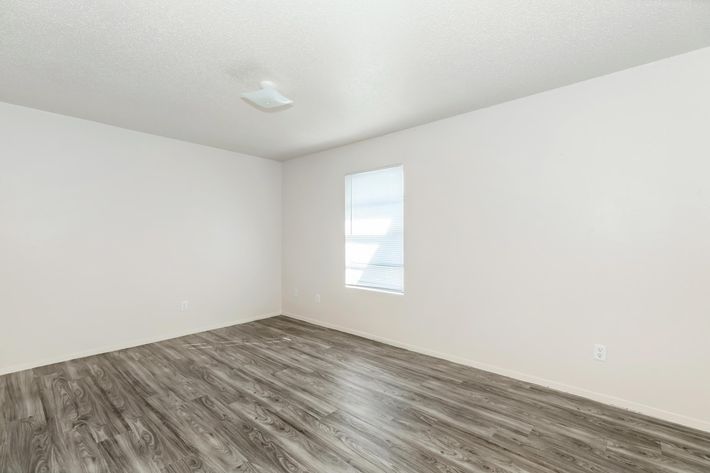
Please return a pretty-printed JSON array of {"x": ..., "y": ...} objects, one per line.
[{"x": 345, "y": 234}]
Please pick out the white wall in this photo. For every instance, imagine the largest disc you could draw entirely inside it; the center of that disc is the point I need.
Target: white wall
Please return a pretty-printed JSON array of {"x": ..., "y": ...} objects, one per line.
[
  {"x": 103, "y": 231},
  {"x": 535, "y": 229}
]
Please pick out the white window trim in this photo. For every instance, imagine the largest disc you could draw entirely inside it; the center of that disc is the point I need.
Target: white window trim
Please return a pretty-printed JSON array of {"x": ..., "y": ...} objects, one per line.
[{"x": 404, "y": 243}]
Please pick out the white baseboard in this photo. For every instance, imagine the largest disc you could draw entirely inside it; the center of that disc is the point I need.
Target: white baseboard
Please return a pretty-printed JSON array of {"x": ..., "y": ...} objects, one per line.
[
  {"x": 133, "y": 343},
  {"x": 603, "y": 398}
]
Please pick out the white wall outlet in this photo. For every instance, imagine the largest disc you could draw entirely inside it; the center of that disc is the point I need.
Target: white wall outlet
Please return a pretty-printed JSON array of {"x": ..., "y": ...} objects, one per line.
[
  {"x": 317, "y": 298},
  {"x": 295, "y": 292},
  {"x": 599, "y": 352},
  {"x": 184, "y": 306}
]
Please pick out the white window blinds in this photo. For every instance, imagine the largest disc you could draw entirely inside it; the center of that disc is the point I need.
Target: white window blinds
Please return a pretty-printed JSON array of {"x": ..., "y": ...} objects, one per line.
[{"x": 374, "y": 229}]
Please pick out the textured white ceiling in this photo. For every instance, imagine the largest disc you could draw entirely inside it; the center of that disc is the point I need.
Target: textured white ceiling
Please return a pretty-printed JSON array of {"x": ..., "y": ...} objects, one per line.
[{"x": 355, "y": 68}]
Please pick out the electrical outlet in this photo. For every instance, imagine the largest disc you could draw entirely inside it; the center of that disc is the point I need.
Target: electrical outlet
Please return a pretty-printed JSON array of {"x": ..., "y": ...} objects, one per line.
[
  {"x": 295, "y": 292},
  {"x": 317, "y": 298},
  {"x": 184, "y": 306},
  {"x": 599, "y": 352}
]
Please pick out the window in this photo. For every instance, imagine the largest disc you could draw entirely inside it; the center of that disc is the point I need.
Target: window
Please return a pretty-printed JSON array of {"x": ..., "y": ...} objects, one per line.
[{"x": 374, "y": 229}]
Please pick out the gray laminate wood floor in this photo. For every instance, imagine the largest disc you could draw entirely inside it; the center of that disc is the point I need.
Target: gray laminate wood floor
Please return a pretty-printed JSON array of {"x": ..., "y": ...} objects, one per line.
[{"x": 280, "y": 395}]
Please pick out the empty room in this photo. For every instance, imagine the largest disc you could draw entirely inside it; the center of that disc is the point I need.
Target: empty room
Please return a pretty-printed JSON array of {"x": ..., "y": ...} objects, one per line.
[{"x": 324, "y": 236}]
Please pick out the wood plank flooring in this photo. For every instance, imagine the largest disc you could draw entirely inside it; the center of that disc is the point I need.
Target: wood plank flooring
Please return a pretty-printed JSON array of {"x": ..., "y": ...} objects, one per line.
[{"x": 279, "y": 395}]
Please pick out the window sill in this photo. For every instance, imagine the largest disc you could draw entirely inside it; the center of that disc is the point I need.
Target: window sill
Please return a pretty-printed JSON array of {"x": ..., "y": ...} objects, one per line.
[{"x": 373, "y": 289}]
